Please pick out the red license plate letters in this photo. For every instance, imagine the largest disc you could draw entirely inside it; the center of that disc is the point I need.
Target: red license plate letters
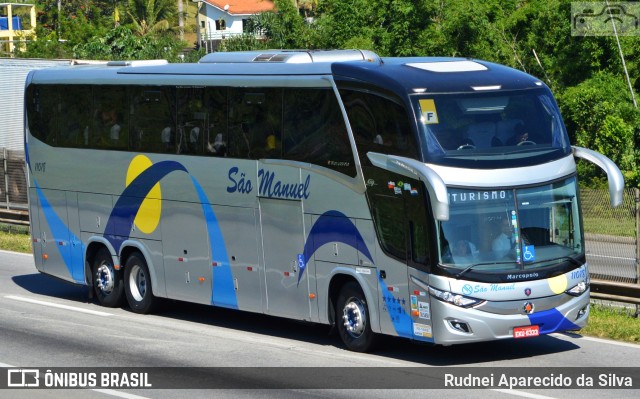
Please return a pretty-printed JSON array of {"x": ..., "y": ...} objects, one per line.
[{"x": 526, "y": 331}]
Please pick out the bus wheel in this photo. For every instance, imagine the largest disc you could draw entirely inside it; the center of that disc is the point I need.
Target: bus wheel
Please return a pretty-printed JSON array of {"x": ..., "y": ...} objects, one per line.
[
  {"x": 352, "y": 319},
  {"x": 107, "y": 281},
  {"x": 137, "y": 284}
]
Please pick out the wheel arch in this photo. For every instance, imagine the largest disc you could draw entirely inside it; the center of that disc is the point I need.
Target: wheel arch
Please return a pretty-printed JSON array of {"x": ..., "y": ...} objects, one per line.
[
  {"x": 130, "y": 247},
  {"x": 94, "y": 244},
  {"x": 369, "y": 287}
]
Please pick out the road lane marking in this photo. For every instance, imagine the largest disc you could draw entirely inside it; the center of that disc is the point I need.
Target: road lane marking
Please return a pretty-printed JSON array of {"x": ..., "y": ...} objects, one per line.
[
  {"x": 594, "y": 339},
  {"x": 522, "y": 394},
  {"x": 2, "y": 251},
  {"x": 119, "y": 394},
  {"x": 56, "y": 305},
  {"x": 610, "y": 257}
]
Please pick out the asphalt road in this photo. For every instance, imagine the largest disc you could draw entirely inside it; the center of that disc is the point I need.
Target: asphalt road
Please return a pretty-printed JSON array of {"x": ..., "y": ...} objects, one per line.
[
  {"x": 46, "y": 323},
  {"x": 614, "y": 260}
]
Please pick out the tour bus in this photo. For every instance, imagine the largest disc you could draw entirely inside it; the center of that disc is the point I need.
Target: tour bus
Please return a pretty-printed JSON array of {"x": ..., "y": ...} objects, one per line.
[{"x": 428, "y": 198}]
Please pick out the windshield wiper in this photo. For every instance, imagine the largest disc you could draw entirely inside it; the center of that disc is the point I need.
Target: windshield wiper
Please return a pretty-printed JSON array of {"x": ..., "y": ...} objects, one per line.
[
  {"x": 569, "y": 258},
  {"x": 479, "y": 264}
]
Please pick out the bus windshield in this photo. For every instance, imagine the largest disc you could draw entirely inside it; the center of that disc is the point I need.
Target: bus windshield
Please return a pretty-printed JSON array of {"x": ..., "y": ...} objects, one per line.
[
  {"x": 511, "y": 230},
  {"x": 491, "y": 130}
]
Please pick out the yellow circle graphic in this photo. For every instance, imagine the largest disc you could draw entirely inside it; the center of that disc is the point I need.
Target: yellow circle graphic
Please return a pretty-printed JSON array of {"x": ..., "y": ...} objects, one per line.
[
  {"x": 148, "y": 216},
  {"x": 558, "y": 284}
]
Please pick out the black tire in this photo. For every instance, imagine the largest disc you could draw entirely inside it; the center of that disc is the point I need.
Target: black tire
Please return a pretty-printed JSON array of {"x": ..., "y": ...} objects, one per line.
[
  {"x": 352, "y": 319},
  {"x": 107, "y": 281},
  {"x": 137, "y": 285}
]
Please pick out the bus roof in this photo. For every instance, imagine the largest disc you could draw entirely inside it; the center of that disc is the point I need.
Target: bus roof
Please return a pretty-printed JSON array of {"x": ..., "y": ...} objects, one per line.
[{"x": 408, "y": 75}]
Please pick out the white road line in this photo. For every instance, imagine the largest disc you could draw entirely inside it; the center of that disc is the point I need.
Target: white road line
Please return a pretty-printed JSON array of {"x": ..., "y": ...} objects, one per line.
[
  {"x": 610, "y": 257},
  {"x": 119, "y": 394},
  {"x": 2, "y": 251},
  {"x": 105, "y": 391},
  {"x": 600, "y": 341},
  {"x": 522, "y": 394},
  {"x": 56, "y": 305}
]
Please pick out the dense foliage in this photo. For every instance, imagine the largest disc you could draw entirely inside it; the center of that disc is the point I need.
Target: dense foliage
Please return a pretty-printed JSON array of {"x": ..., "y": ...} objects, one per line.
[{"x": 585, "y": 73}]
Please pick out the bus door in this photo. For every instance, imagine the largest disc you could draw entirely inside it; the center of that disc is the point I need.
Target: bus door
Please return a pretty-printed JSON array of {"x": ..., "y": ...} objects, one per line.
[
  {"x": 400, "y": 213},
  {"x": 283, "y": 244}
]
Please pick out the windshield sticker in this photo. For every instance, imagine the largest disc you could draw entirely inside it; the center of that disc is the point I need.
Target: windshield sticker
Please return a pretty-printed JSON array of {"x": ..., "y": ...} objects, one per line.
[
  {"x": 429, "y": 114},
  {"x": 529, "y": 254}
]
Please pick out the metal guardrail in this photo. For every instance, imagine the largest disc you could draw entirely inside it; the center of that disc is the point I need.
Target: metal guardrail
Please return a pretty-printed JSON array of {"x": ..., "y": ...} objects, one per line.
[{"x": 615, "y": 291}]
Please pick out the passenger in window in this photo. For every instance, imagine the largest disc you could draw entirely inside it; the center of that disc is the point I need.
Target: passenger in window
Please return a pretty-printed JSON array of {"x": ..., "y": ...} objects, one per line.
[
  {"x": 165, "y": 138},
  {"x": 521, "y": 135},
  {"x": 108, "y": 129},
  {"x": 464, "y": 251},
  {"x": 218, "y": 147},
  {"x": 504, "y": 241}
]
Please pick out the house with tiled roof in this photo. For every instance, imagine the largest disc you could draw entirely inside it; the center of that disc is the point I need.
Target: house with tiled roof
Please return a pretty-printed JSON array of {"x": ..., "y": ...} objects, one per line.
[{"x": 223, "y": 18}]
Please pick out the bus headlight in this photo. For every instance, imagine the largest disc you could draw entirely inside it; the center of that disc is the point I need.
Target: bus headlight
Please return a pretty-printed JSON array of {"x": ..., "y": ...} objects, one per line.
[
  {"x": 578, "y": 289},
  {"x": 454, "y": 299}
]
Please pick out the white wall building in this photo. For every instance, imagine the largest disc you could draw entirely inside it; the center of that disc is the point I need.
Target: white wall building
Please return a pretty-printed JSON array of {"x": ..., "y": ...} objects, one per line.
[{"x": 224, "y": 18}]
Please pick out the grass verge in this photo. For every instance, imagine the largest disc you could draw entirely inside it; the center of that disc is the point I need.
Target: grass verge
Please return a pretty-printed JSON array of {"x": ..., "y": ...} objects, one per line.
[
  {"x": 15, "y": 238},
  {"x": 613, "y": 322},
  {"x": 605, "y": 321}
]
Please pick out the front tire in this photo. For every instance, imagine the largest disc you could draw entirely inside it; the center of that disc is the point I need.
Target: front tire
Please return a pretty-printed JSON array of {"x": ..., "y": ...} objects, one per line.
[
  {"x": 352, "y": 319},
  {"x": 138, "y": 285},
  {"x": 107, "y": 281}
]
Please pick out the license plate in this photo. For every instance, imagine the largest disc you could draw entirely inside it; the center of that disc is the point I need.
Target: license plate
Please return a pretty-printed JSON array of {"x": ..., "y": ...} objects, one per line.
[{"x": 526, "y": 331}]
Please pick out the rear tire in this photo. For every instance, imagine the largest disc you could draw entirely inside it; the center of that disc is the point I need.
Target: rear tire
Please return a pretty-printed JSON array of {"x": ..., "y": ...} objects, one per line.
[
  {"x": 352, "y": 319},
  {"x": 107, "y": 281},
  {"x": 137, "y": 283}
]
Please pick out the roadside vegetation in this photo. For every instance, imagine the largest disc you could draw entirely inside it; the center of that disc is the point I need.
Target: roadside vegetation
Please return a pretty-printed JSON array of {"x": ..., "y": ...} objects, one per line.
[
  {"x": 15, "y": 238},
  {"x": 613, "y": 322}
]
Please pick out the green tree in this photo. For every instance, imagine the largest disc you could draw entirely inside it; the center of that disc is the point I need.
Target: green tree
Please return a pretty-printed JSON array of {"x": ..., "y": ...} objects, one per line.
[
  {"x": 151, "y": 16},
  {"x": 599, "y": 115}
]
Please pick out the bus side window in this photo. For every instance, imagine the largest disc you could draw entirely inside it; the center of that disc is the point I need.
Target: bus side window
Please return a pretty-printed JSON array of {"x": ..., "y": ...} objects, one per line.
[
  {"x": 390, "y": 230},
  {"x": 379, "y": 124},
  {"x": 215, "y": 106},
  {"x": 73, "y": 115},
  {"x": 42, "y": 112},
  {"x": 109, "y": 125},
  {"x": 314, "y": 130},
  {"x": 255, "y": 123},
  {"x": 152, "y": 120}
]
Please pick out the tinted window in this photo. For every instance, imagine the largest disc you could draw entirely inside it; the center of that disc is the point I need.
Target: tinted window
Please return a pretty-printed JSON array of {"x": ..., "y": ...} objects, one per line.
[
  {"x": 108, "y": 125},
  {"x": 153, "y": 121},
  {"x": 255, "y": 123},
  {"x": 390, "y": 230},
  {"x": 42, "y": 104},
  {"x": 202, "y": 121},
  {"x": 314, "y": 130},
  {"x": 379, "y": 125}
]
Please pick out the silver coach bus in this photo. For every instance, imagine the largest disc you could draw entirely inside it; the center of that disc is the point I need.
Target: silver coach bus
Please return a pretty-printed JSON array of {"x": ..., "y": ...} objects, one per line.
[{"x": 428, "y": 198}]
